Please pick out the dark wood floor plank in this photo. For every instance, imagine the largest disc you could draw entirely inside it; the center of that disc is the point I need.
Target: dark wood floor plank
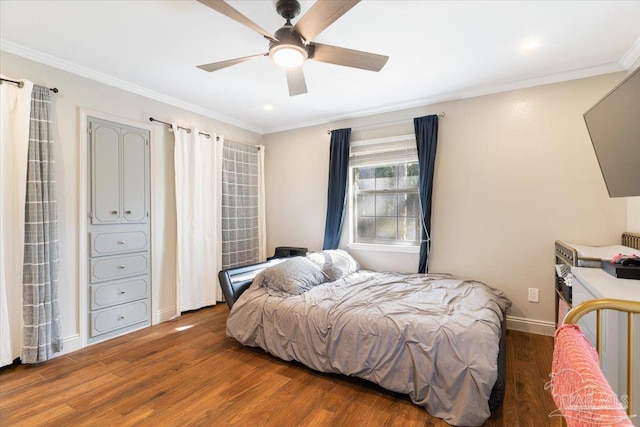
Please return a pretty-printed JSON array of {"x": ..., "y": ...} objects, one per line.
[{"x": 187, "y": 372}]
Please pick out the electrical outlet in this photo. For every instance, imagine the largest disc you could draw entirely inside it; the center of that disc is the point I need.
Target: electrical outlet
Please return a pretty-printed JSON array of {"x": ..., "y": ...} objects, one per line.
[{"x": 533, "y": 294}]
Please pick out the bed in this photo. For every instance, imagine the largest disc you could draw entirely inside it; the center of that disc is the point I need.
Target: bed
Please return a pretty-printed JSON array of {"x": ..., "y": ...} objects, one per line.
[{"x": 435, "y": 338}]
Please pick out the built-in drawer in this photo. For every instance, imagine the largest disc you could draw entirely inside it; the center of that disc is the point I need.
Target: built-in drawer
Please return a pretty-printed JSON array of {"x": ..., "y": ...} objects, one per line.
[
  {"x": 110, "y": 319},
  {"x": 121, "y": 266},
  {"x": 108, "y": 294},
  {"x": 111, "y": 243}
]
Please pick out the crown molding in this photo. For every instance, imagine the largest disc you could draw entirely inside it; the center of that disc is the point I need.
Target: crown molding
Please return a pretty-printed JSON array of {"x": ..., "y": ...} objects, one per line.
[
  {"x": 522, "y": 83},
  {"x": 632, "y": 55},
  {"x": 91, "y": 74}
]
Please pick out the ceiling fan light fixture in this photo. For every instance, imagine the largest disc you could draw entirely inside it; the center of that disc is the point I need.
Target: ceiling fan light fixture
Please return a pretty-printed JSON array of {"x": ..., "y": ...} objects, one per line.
[{"x": 288, "y": 56}]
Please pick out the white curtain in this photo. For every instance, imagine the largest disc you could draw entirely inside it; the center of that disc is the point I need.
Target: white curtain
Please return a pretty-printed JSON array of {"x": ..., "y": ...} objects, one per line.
[
  {"x": 15, "y": 105},
  {"x": 198, "y": 173}
]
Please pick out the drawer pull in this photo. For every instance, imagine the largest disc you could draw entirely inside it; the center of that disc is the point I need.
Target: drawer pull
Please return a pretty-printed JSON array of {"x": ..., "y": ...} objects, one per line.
[
  {"x": 121, "y": 242},
  {"x": 121, "y": 292},
  {"x": 114, "y": 212},
  {"x": 121, "y": 317},
  {"x": 122, "y": 267},
  {"x": 128, "y": 212}
]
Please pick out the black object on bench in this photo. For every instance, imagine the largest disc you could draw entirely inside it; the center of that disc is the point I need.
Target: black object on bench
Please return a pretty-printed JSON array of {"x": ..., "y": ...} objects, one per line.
[{"x": 288, "y": 251}]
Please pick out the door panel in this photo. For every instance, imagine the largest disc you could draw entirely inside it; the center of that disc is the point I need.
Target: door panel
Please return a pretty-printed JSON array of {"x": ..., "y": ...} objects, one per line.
[
  {"x": 134, "y": 173},
  {"x": 105, "y": 174}
]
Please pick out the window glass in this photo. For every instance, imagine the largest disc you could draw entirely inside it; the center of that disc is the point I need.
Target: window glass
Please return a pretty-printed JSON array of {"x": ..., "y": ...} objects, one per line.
[{"x": 386, "y": 204}]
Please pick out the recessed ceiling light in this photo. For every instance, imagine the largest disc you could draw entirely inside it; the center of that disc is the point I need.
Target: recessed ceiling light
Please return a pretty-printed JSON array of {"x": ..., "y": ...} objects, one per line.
[
  {"x": 529, "y": 45},
  {"x": 268, "y": 107}
]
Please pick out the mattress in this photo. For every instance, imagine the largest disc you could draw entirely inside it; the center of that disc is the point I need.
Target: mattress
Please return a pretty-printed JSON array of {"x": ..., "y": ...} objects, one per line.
[{"x": 434, "y": 338}]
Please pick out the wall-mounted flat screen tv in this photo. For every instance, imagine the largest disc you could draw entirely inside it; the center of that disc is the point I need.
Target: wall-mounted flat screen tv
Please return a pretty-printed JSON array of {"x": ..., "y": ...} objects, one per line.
[{"x": 614, "y": 127}]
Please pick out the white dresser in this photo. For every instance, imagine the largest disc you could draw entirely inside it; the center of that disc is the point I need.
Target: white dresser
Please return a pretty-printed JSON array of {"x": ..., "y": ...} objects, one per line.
[{"x": 594, "y": 283}]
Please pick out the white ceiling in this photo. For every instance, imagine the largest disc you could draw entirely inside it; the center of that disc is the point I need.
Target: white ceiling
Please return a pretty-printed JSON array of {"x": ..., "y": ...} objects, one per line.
[{"x": 439, "y": 50}]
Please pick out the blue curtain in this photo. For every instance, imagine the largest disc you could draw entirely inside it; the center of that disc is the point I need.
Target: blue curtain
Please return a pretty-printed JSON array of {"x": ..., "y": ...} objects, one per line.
[
  {"x": 337, "y": 191},
  {"x": 426, "y": 129}
]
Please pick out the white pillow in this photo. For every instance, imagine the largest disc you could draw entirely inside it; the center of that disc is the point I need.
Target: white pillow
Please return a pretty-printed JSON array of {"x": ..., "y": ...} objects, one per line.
[
  {"x": 293, "y": 276},
  {"x": 335, "y": 263}
]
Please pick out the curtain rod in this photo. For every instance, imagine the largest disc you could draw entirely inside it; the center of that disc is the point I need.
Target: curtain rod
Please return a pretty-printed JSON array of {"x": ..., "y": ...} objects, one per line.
[
  {"x": 441, "y": 115},
  {"x": 151, "y": 119},
  {"x": 21, "y": 84}
]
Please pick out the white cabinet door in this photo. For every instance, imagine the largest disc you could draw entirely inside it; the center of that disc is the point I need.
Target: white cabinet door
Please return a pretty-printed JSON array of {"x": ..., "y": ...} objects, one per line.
[
  {"x": 119, "y": 173},
  {"x": 105, "y": 173},
  {"x": 135, "y": 166}
]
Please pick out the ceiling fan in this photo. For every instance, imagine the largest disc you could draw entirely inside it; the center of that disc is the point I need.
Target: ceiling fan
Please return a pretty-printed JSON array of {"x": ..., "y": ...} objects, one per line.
[{"x": 291, "y": 45}]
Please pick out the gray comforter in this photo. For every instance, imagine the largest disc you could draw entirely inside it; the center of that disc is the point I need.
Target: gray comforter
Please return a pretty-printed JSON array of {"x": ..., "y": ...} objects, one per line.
[{"x": 431, "y": 337}]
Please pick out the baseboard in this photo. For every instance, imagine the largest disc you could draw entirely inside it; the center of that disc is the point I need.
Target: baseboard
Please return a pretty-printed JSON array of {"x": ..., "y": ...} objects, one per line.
[
  {"x": 533, "y": 326},
  {"x": 166, "y": 314},
  {"x": 71, "y": 343}
]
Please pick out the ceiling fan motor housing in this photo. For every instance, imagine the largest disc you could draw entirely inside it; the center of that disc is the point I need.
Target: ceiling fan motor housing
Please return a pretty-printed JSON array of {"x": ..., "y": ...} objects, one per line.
[{"x": 288, "y": 9}]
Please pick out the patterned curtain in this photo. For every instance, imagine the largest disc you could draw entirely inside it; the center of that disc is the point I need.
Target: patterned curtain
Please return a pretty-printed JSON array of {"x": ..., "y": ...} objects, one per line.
[
  {"x": 42, "y": 334},
  {"x": 241, "y": 205}
]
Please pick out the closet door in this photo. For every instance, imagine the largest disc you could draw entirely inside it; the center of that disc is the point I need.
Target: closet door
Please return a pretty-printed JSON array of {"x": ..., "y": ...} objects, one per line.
[
  {"x": 105, "y": 173},
  {"x": 135, "y": 174}
]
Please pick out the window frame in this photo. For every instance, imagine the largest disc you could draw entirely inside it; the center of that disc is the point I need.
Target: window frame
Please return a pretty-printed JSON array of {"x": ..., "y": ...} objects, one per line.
[{"x": 395, "y": 245}]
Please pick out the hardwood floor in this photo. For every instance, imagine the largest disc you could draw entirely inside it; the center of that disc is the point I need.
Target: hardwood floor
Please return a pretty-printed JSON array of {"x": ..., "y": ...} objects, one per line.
[{"x": 187, "y": 372}]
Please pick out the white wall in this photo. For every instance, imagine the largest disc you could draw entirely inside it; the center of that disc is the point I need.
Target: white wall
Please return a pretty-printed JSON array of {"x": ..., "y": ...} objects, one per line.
[
  {"x": 514, "y": 172},
  {"x": 633, "y": 214},
  {"x": 78, "y": 93},
  {"x": 633, "y": 207}
]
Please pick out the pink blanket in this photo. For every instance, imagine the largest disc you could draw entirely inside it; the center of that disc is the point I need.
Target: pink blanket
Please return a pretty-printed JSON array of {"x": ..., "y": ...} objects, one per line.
[{"x": 578, "y": 386}]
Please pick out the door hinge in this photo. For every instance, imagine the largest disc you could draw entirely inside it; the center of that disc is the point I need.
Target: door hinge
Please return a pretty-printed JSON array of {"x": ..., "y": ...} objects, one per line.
[
  {"x": 89, "y": 130},
  {"x": 147, "y": 214}
]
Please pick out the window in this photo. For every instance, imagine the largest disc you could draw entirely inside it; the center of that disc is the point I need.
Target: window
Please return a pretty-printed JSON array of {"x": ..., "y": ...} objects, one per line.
[{"x": 385, "y": 206}]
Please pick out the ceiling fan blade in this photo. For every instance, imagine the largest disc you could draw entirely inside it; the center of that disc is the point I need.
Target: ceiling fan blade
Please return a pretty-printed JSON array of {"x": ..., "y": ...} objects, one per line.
[
  {"x": 225, "y": 9},
  {"x": 296, "y": 82},
  {"x": 322, "y": 14},
  {"x": 347, "y": 57},
  {"x": 214, "y": 66}
]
